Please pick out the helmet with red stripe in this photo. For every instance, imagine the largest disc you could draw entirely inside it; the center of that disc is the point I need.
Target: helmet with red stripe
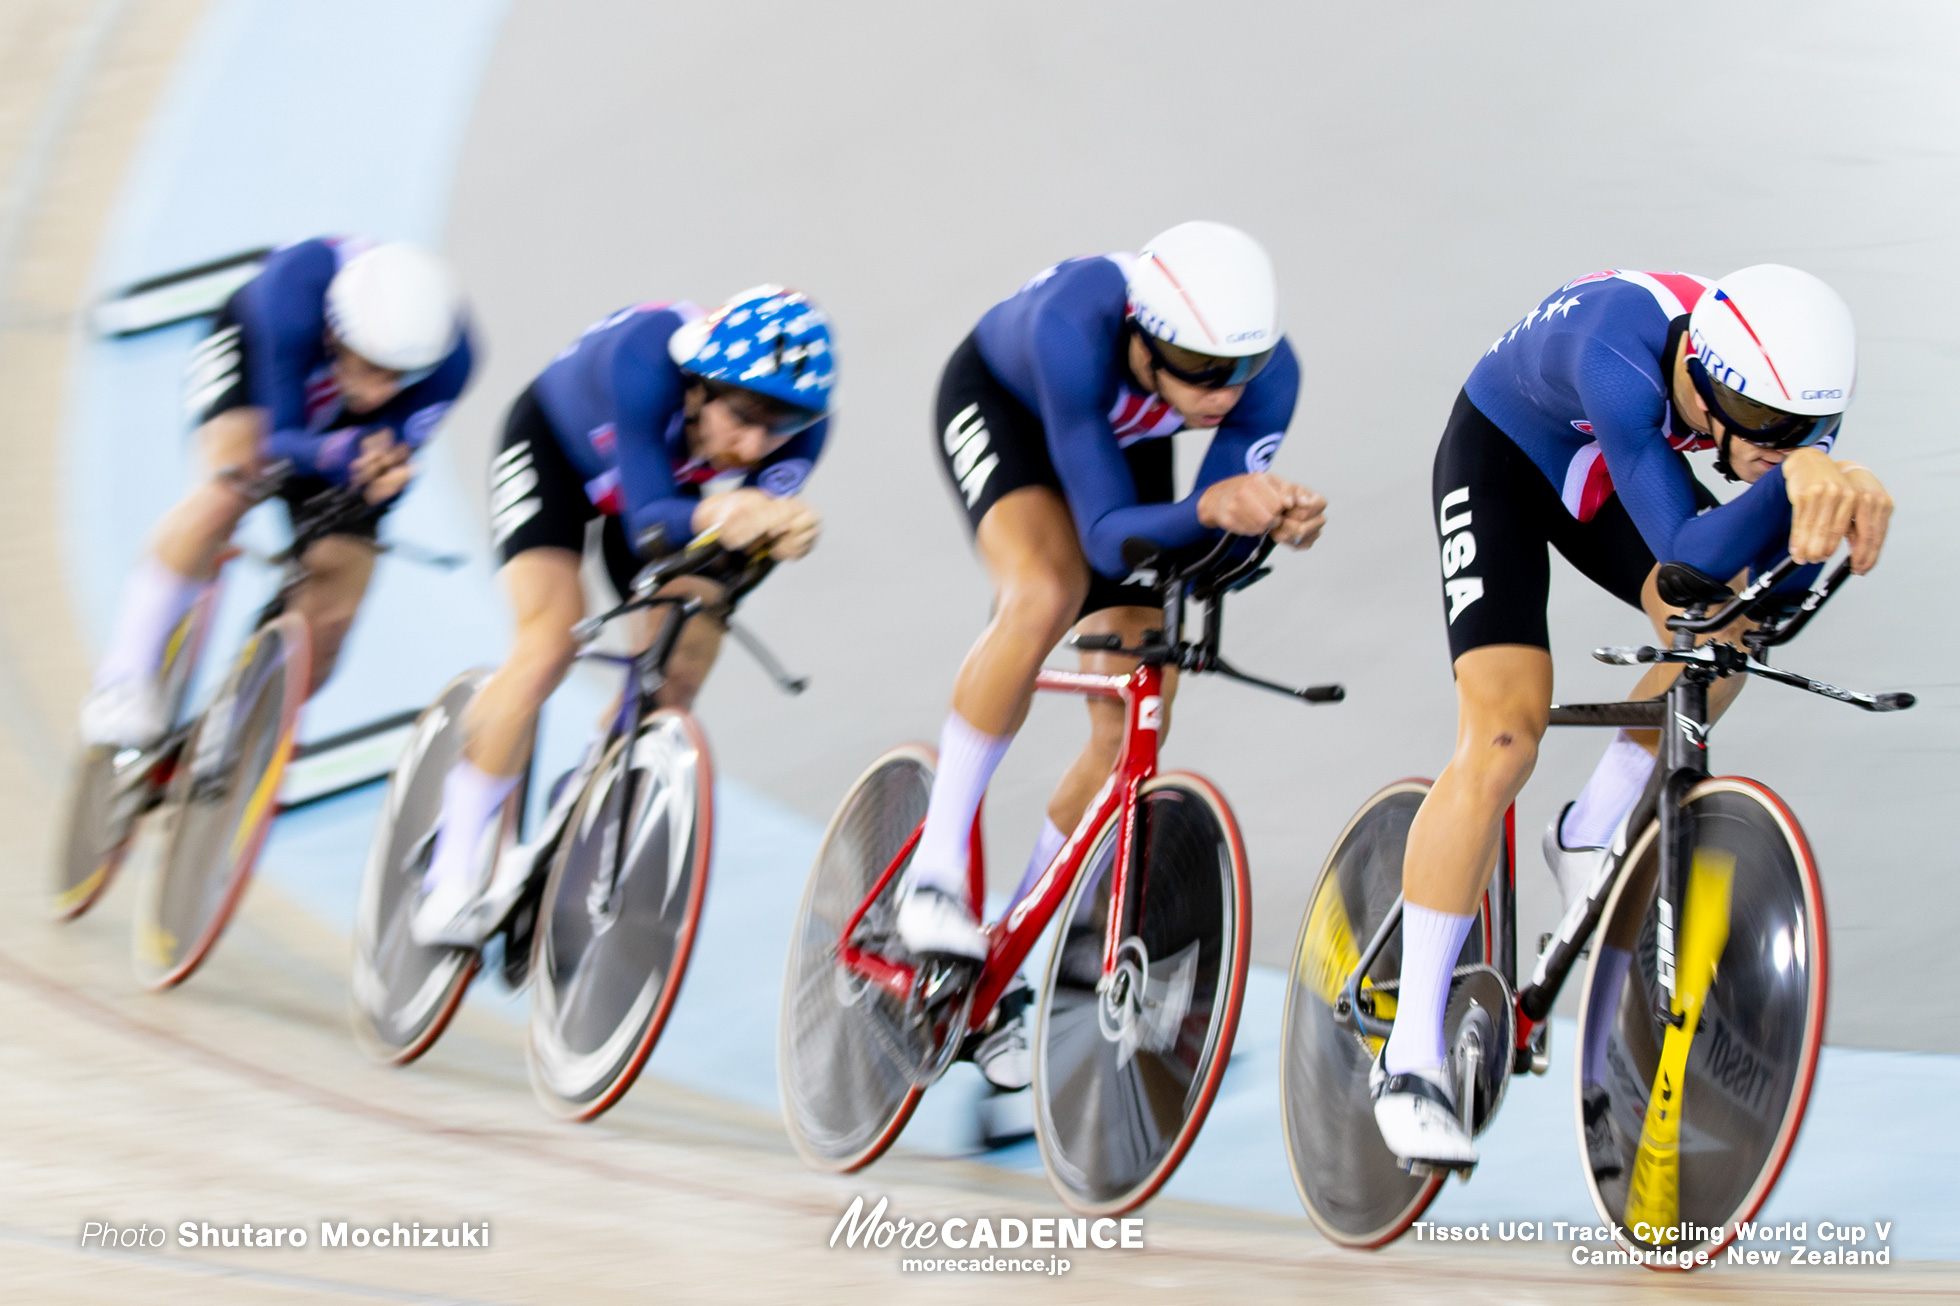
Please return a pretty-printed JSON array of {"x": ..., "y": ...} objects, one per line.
[
  {"x": 1205, "y": 301},
  {"x": 1775, "y": 355}
]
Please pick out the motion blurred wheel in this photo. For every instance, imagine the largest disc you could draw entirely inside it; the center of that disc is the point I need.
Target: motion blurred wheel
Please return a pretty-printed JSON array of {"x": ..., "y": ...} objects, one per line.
[
  {"x": 611, "y": 950},
  {"x": 849, "y": 1054},
  {"x": 1126, "y": 1069},
  {"x": 220, "y": 803},
  {"x": 111, "y": 787}
]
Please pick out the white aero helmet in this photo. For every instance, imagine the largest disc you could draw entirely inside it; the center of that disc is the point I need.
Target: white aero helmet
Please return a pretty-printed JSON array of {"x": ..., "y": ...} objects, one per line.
[
  {"x": 1205, "y": 303},
  {"x": 397, "y": 306},
  {"x": 1775, "y": 355}
]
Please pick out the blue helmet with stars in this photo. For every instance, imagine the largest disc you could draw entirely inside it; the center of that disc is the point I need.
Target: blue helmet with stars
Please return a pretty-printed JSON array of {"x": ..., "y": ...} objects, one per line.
[{"x": 768, "y": 339}]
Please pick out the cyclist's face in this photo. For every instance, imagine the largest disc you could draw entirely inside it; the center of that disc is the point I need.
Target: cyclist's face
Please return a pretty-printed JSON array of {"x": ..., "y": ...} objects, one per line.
[
  {"x": 1200, "y": 408},
  {"x": 363, "y": 386},
  {"x": 728, "y": 442},
  {"x": 1752, "y": 462}
]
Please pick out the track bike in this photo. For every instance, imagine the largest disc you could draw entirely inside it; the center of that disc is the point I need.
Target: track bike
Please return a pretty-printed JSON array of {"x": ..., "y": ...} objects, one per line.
[
  {"x": 1142, "y": 992},
  {"x": 598, "y": 913},
  {"x": 1712, "y": 1028},
  {"x": 213, "y": 780}
]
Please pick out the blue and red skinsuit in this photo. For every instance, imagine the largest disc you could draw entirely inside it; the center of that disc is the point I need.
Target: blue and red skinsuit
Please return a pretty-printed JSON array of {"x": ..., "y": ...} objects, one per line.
[
  {"x": 1578, "y": 386},
  {"x": 1056, "y": 345},
  {"x": 615, "y": 400},
  {"x": 282, "y": 312}
]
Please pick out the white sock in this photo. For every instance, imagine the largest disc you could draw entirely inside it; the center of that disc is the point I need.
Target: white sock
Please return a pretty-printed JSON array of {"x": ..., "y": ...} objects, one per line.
[
  {"x": 154, "y": 600},
  {"x": 470, "y": 798},
  {"x": 967, "y": 759},
  {"x": 1616, "y": 785},
  {"x": 1046, "y": 845},
  {"x": 1431, "y": 941}
]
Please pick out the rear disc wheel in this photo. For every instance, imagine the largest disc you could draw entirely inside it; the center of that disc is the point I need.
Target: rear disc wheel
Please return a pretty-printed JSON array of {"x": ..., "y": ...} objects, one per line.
[
  {"x": 1125, "y": 1069},
  {"x": 220, "y": 803},
  {"x": 611, "y": 950}
]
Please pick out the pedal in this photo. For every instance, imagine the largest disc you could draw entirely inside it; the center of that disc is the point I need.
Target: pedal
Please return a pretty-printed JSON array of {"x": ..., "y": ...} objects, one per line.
[{"x": 939, "y": 980}]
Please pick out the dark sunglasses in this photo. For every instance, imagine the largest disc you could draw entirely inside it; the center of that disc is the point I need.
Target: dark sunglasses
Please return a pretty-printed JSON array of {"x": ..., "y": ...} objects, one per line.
[
  {"x": 752, "y": 409},
  {"x": 1759, "y": 424},
  {"x": 1206, "y": 371}
]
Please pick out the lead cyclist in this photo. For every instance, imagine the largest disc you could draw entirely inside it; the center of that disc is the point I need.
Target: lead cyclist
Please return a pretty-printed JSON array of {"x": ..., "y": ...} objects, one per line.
[
  {"x": 338, "y": 360},
  {"x": 1570, "y": 433},
  {"x": 1053, "y": 418}
]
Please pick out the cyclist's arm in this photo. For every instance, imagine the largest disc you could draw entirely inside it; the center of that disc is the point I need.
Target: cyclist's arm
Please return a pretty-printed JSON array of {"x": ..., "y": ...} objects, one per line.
[
  {"x": 1072, "y": 359},
  {"x": 1251, "y": 433},
  {"x": 647, "y": 393},
  {"x": 1625, "y": 407}
]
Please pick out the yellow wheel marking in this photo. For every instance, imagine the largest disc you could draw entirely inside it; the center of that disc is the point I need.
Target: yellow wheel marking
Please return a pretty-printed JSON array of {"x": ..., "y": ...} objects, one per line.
[
  {"x": 1654, "y": 1193},
  {"x": 177, "y": 637},
  {"x": 268, "y": 786},
  {"x": 156, "y": 945},
  {"x": 1330, "y": 954},
  {"x": 77, "y": 893}
]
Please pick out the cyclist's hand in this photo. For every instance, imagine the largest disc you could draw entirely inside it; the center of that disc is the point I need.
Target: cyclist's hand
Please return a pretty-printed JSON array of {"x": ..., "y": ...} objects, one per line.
[
  {"x": 1251, "y": 504},
  {"x": 746, "y": 518},
  {"x": 382, "y": 469},
  {"x": 1301, "y": 524},
  {"x": 1871, "y": 516},
  {"x": 1822, "y": 502}
]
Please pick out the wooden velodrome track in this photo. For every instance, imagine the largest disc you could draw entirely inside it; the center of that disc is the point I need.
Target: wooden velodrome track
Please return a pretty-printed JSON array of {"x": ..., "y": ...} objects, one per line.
[{"x": 241, "y": 1096}]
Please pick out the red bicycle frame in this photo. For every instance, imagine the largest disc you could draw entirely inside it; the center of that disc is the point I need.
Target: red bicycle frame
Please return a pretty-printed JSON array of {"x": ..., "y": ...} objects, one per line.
[{"x": 1010, "y": 939}]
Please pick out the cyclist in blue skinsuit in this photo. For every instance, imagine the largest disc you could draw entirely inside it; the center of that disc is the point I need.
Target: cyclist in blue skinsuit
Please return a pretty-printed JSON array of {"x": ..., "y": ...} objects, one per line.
[
  {"x": 627, "y": 425},
  {"x": 340, "y": 359},
  {"x": 1052, "y": 418},
  {"x": 1569, "y": 434}
]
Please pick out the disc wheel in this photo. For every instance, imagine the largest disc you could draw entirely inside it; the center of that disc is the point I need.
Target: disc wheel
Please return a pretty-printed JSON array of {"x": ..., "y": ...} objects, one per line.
[
  {"x": 220, "y": 803},
  {"x": 111, "y": 787},
  {"x": 1353, "y": 1187},
  {"x": 848, "y": 1052},
  {"x": 402, "y": 993},
  {"x": 1754, "y": 1052},
  {"x": 1125, "y": 1070},
  {"x": 611, "y": 950}
]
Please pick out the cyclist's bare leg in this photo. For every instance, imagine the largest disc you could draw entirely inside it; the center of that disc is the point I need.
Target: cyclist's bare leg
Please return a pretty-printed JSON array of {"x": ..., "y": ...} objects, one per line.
[
  {"x": 1616, "y": 783},
  {"x": 547, "y": 600},
  {"x": 699, "y": 644},
  {"x": 192, "y": 534},
  {"x": 338, "y": 571},
  {"x": 1098, "y": 757},
  {"x": 1028, "y": 543},
  {"x": 1504, "y": 692},
  {"x": 181, "y": 560}
]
